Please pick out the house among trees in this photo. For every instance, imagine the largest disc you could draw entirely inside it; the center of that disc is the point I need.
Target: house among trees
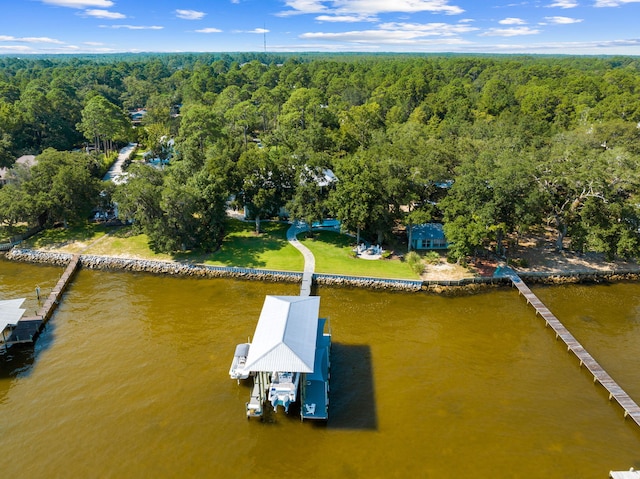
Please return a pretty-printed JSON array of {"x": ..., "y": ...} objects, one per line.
[
  {"x": 137, "y": 115},
  {"x": 428, "y": 236},
  {"x": 25, "y": 161}
]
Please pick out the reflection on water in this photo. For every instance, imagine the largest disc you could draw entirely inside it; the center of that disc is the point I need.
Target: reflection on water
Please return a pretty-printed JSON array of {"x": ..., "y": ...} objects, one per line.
[{"x": 130, "y": 379}]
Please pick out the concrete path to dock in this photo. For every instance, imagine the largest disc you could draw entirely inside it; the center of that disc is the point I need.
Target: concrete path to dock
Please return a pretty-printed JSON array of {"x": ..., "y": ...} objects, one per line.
[{"x": 309, "y": 259}]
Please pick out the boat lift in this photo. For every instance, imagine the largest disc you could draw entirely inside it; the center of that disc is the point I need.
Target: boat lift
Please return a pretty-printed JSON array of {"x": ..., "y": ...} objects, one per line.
[{"x": 290, "y": 338}]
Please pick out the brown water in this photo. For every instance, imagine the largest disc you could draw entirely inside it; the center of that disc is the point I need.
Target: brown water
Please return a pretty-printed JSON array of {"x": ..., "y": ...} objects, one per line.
[{"x": 130, "y": 380}]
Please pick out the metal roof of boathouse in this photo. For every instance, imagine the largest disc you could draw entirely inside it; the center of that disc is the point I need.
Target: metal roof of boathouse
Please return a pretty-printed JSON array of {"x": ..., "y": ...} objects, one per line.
[
  {"x": 10, "y": 312},
  {"x": 285, "y": 336}
]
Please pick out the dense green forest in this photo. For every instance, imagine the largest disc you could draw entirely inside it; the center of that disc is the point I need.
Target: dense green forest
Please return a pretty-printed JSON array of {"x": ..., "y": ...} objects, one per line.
[{"x": 492, "y": 146}]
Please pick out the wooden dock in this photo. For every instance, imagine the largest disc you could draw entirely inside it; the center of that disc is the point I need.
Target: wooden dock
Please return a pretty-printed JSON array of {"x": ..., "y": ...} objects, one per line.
[
  {"x": 629, "y": 406},
  {"x": 29, "y": 328}
]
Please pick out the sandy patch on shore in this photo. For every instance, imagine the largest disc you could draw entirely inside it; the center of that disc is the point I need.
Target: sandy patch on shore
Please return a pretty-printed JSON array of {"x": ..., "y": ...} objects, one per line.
[
  {"x": 539, "y": 255},
  {"x": 445, "y": 271}
]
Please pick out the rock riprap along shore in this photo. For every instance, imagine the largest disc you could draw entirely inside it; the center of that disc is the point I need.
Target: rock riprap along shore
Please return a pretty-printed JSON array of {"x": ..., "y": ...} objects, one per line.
[
  {"x": 151, "y": 266},
  {"x": 204, "y": 271}
]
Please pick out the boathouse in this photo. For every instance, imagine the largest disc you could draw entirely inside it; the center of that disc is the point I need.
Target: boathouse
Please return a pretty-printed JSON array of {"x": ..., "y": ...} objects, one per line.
[
  {"x": 10, "y": 314},
  {"x": 289, "y": 342}
]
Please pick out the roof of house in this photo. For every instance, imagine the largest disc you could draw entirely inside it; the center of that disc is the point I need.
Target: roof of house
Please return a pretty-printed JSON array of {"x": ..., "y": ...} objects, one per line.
[
  {"x": 285, "y": 336},
  {"x": 26, "y": 160},
  {"x": 427, "y": 231}
]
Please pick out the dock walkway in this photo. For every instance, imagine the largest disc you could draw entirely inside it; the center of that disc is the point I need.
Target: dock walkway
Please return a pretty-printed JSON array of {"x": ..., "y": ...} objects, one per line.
[
  {"x": 309, "y": 259},
  {"x": 28, "y": 329},
  {"x": 629, "y": 406}
]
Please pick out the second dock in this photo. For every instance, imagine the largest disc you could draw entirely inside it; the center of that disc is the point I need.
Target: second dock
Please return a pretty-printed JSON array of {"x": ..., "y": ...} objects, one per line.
[{"x": 629, "y": 406}]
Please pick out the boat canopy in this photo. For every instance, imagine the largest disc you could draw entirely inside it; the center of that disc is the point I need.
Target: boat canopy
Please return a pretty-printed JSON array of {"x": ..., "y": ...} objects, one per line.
[
  {"x": 285, "y": 336},
  {"x": 241, "y": 350},
  {"x": 10, "y": 312}
]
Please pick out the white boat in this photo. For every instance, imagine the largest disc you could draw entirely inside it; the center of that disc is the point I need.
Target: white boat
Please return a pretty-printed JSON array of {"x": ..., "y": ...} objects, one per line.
[
  {"x": 283, "y": 389},
  {"x": 237, "y": 370}
]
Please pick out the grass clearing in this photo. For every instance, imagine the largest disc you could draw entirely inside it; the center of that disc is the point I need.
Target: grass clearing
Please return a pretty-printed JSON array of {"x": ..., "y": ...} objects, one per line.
[
  {"x": 333, "y": 253},
  {"x": 125, "y": 242},
  {"x": 6, "y": 233},
  {"x": 242, "y": 247},
  {"x": 269, "y": 250},
  {"x": 66, "y": 240}
]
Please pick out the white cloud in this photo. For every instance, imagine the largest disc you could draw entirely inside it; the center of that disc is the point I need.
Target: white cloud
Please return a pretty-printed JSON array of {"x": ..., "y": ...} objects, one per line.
[
  {"x": 444, "y": 29},
  {"x": 94, "y": 44},
  {"x": 563, "y": 4},
  {"x": 134, "y": 27},
  {"x": 9, "y": 38},
  {"x": 510, "y": 32},
  {"x": 613, "y": 3},
  {"x": 99, "y": 13},
  {"x": 255, "y": 30},
  {"x": 512, "y": 21},
  {"x": 562, "y": 20},
  {"x": 587, "y": 47},
  {"x": 209, "y": 30},
  {"x": 39, "y": 40},
  {"x": 80, "y": 3},
  {"x": 368, "y": 8},
  {"x": 345, "y": 18},
  {"x": 16, "y": 48},
  {"x": 303, "y": 6},
  {"x": 399, "y": 34},
  {"x": 190, "y": 14}
]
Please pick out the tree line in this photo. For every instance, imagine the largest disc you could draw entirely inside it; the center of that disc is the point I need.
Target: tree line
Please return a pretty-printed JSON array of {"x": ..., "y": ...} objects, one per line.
[{"x": 492, "y": 146}]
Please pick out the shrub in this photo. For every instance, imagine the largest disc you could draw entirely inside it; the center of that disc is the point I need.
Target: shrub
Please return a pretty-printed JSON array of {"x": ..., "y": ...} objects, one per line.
[
  {"x": 518, "y": 263},
  {"x": 415, "y": 262},
  {"x": 432, "y": 257}
]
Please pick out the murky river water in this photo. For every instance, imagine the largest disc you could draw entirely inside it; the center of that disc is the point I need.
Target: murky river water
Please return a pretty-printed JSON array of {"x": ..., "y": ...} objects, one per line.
[{"x": 130, "y": 381}]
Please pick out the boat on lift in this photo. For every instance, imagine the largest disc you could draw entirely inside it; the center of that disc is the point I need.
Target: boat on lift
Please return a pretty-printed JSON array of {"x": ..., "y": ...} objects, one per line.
[
  {"x": 237, "y": 370},
  {"x": 283, "y": 390}
]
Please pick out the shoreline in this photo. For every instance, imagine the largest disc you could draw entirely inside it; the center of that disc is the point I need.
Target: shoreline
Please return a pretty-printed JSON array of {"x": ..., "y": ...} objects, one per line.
[{"x": 438, "y": 286}]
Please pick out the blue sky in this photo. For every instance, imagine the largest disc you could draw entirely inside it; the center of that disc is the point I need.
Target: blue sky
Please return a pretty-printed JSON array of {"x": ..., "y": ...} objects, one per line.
[{"x": 605, "y": 27}]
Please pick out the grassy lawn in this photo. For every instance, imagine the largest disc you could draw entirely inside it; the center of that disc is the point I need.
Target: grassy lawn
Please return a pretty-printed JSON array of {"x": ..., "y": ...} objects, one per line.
[
  {"x": 269, "y": 250},
  {"x": 241, "y": 247},
  {"x": 7, "y": 233},
  {"x": 123, "y": 241},
  {"x": 71, "y": 240},
  {"x": 333, "y": 255}
]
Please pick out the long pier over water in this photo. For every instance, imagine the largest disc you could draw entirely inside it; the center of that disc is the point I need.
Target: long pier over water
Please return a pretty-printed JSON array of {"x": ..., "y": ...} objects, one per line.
[
  {"x": 629, "y": 406},
  {"x": 29, "y": 327}
]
